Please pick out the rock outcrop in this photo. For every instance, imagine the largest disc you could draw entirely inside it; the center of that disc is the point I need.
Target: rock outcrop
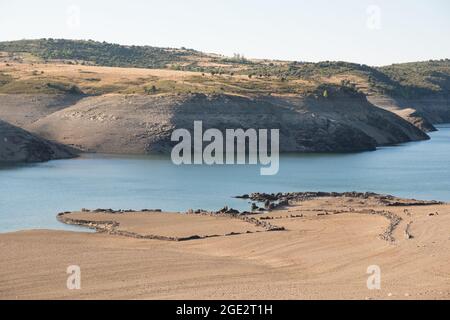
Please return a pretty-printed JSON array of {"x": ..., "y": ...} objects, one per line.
[
  {"x": 18, "y": 145},
  {"x": 421, "y": 112},
  {"x": 139, "y": 124},
  {"x": 275, "y": 200}
]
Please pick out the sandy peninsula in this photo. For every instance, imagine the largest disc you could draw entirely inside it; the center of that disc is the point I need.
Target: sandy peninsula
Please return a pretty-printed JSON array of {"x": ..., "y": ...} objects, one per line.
[{"x": 308, "y": 246}]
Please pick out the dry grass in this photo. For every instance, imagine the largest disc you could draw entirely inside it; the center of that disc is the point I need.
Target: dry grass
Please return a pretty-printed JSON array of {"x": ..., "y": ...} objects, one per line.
[{"x": 30, "y": 77}]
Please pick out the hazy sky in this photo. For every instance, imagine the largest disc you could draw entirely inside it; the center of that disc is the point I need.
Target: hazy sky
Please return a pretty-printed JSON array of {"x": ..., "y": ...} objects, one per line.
[{"x": 375, "y": 32}]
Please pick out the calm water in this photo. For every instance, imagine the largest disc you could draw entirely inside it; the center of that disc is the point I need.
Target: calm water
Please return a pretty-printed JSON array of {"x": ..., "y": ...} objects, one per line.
[{"x": 31, "y": 195}]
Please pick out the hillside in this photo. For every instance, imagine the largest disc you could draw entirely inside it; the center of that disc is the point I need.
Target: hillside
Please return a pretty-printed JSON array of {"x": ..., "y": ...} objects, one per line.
[
  {"x": 401, "y": 80},
  {"x": 418, "y": 92},
  {"x": 18, "y": 145},
  {"x": 143, "y": 124},
  {"x": 98, "y": 53},
  {"x": 126, "y": 99}
]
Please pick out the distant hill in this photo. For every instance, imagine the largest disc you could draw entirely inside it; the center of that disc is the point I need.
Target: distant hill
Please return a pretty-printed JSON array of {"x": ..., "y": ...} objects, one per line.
[
  {"x": 97, "y": 53},
  {"x": 409, "y": 80},
  {"x": 40, "y": 81},
  {"x": 418, "y": 78}
]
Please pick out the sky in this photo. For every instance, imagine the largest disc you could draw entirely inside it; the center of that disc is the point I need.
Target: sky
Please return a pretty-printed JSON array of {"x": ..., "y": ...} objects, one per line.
[{"x": 373, "y": 32}]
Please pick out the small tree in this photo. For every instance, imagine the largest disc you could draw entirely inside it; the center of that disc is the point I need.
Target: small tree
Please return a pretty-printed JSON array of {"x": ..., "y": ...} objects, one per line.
[{"x": 150, "y": 90}]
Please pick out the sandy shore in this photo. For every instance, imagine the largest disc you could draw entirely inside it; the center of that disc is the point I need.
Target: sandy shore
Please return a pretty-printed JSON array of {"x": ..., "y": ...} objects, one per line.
[{"x": 324, "y": 253}]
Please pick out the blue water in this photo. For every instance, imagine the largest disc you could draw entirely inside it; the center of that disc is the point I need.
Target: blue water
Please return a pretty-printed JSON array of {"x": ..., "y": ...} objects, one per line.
[{"x": 31, "y": 195}]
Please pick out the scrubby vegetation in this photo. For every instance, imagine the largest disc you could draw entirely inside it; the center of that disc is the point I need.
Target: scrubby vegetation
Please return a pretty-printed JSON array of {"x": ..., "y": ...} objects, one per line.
[
  {"x": 37, "y": 86},
  {"x": 420, "y": 77},
  {"x": 4, "y": 79},
  {"x": 331, "y": 91},
  {"x": 215, "y": 73},
  {"x": 98, "y": 53}
]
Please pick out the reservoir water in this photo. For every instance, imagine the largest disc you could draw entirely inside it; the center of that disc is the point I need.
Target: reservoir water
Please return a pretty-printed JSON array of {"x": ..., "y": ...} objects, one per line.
[{"x": 31, "y": 195}]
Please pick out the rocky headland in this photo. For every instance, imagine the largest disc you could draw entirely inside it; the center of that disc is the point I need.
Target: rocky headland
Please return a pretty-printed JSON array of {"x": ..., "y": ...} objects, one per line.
[
  {"x": 18, "y": 145},
  {"x": 344, "y": 121}
]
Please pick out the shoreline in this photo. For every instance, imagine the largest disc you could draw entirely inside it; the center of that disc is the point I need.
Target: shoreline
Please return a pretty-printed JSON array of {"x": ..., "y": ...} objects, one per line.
[
  {"x": 328, "y": 241},
  {"x": 84, "y": 154},
  {"x": 403, "y": 185},
  {"x": 271, "y": 202}
]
